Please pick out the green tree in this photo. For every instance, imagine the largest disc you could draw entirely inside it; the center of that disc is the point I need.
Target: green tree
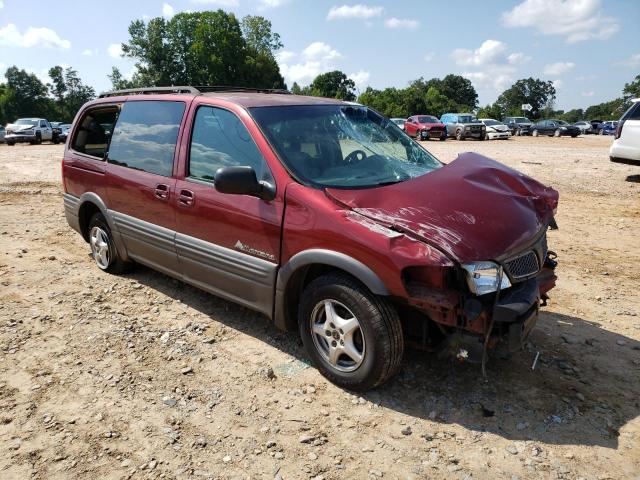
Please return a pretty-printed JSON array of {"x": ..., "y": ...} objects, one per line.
[
  {"x": 333, "y": 84},
  {"x": 390, "y": 102},
  {"x": 573, "y": 116},
  {"x": 296, "y": 90},
  {"x": 259, "y": 36},
  {"x": 631, "y": 89},
  {"x": 490, "y": 111},
  {"x": 118, "y": 82},
  {"x": 24, "y": 96},
  {"x": 611, "y": 110},
  {"x": 69, "y": 92},
  {"x": 460, "y": 90},
  {"x": 204, "y": 48},
  {"x": 537, "y": 93},
  {"x": 436, "y": 103}
]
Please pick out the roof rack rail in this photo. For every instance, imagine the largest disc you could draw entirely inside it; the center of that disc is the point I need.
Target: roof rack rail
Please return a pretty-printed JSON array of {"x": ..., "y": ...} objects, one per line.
[
  {"x": 230, "y": 88},
  {"x": 150, "y": 90},
  {"x": 189, "y": 90}
]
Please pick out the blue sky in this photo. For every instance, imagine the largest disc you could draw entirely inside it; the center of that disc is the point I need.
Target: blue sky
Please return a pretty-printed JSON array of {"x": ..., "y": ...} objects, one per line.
[{"x": 590, "y": 48}]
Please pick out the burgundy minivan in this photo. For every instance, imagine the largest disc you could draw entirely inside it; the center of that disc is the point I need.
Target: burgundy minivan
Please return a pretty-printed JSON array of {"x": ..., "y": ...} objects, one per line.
[{"x": 319, "y": 213}]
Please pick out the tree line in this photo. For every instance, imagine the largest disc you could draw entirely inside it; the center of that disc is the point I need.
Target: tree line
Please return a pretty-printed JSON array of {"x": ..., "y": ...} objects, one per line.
[{"x": 217, "y": 48}]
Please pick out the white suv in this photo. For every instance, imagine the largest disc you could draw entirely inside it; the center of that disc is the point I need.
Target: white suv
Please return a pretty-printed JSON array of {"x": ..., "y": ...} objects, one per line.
[{"x": 626, "y": 146}]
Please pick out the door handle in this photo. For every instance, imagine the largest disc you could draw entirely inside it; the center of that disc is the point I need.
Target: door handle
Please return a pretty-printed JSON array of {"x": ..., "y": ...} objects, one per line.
[
  {"x": 187, "y": 198},
  {"x": 162, "y": 191}
]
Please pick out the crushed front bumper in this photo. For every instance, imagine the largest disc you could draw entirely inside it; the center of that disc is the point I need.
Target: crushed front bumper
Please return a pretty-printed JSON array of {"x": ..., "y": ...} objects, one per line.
[{"x": 19, "y": 138}]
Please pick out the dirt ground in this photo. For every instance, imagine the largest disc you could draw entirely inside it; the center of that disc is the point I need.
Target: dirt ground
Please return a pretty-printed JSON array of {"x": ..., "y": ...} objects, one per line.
[{"x": 140, "y": 376}]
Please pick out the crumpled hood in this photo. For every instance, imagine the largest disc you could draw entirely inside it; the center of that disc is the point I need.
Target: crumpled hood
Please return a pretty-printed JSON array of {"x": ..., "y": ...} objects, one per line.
[
  {"x": 473, "y": 209},
  {"x": 18, "y": 128}
]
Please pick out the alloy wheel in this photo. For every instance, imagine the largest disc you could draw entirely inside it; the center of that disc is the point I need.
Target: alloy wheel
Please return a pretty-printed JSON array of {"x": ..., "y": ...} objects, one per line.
[
  {"x": 337, "y": 335},
  {"x": 99, "y": 241}
]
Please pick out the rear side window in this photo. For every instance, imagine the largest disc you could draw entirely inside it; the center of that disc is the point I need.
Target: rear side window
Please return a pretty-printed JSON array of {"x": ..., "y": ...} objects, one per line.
[
  {"x": 220, "y": 139},
  {"x": 633, "y": 113},
  {"x": 94, "y": 131},
  {"x": 145, "y": 136}
]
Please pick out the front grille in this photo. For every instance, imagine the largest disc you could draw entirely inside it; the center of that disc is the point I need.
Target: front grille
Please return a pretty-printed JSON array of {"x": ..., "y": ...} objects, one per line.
[{"x": 523, "y": 265}]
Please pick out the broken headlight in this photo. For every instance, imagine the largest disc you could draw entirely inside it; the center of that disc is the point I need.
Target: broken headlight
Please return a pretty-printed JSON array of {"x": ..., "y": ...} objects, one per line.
[{"x": 483, "y": 277}]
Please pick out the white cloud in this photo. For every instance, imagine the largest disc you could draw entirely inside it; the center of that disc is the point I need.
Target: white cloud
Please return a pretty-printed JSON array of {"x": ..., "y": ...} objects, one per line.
[
  {"x": 361, "y": 78},
  {"x": 115, "y": 50},
  {"x": 557, "y": 83},
  {"x": 1, "y": 4},
  {"x": 315, "y": 59},
  {"x": 221, "y": 3},
  {"x": 495, "y": 67},
  {"x": 558, "y": 68},
  {"x": 633, "y": 61},
  {"x": 10, "y": 36},
  {"x": 320, "y": 51},
  {"x": 429, "y": 56},
  {"x": 354, "y": 11},
  {"x": 576, "y": 20},
  {"x": 590, "y": 93},
  {"x": 272, "y": 3},
  {"x": 489, "y": 52},
  {"x": 87, "y": 52},
  {"x": 284, "y": 56},
  {"x": 582, "y": 78},
  {"x": 517, "y": 58},
  {"x": 496, "y": 79},
  {"x": 404, "y": 23},
  {"x": 167, "y": 10}
]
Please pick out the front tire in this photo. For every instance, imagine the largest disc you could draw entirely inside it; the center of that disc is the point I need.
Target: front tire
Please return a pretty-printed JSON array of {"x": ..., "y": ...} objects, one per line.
[
  {"x": 103, "y": 248},
  {"x": 534, "y": 133},
  {"x": 459, "y": 135},
  {"x": 353, "y": 337}
]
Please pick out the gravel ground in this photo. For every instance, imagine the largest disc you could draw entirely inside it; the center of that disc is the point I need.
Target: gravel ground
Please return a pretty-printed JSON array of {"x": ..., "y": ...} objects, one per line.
[{"x": 140, "y": 376}]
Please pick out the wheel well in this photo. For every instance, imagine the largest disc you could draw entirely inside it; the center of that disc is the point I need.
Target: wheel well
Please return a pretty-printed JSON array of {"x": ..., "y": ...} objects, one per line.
[
  {"x": 87, "y": 210},
  {"x": 296, "y": 285}
]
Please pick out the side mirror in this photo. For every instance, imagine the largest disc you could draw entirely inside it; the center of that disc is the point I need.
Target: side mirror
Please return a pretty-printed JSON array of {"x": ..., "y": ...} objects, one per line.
[{"x": 242, "y": 181}]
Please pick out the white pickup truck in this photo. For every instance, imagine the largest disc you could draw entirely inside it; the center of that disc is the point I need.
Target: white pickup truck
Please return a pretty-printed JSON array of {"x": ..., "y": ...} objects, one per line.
[{"x": 31, "y": 130}]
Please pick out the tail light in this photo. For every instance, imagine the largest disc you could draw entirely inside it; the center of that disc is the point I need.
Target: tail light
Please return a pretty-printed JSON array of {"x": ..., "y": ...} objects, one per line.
[{"x": 619, "y": 129}]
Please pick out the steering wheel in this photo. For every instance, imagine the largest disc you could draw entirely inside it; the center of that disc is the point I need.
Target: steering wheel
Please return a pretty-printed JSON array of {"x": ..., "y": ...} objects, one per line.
[{"x": 355, "y": 156}]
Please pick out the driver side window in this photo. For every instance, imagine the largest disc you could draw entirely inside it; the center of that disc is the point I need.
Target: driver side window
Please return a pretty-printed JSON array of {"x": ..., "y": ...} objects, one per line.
[{"x": 220, "y": 139}]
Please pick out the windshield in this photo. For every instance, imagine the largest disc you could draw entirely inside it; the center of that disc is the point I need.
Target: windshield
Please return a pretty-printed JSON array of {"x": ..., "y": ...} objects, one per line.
[
  {"x": 522, "y": 120},
  {"x": 27, "y": 121},
  {"x": 398, "y": 121},
  {"x": 342, "y": 146},
  {"x": 428, "y": 119},
  {"x": 562, "y": 122},
  {"x": 491, "y": 122},
  {"x": 467, "y": 119}
]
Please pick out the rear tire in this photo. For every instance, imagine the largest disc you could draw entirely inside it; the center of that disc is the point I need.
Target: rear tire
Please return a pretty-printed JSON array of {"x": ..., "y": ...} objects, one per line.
[
  {"x": 338, "y": 315},
  {"x": 534, "y": 133},
  {"x": 601, "y": 132},
  {"x": 557, "y": 133},
  {"x": 103, "y": 248},
  {"x": 11, "y": 144}
]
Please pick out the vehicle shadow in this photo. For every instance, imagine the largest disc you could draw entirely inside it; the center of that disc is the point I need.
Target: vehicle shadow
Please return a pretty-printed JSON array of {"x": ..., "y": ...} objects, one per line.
[
  {"x": 633, "y": 178},
  {"x": 584, "y": 389}
]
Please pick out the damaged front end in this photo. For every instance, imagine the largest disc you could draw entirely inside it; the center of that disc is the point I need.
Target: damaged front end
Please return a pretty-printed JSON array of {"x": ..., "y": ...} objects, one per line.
[{"x": 484, "y": 306}]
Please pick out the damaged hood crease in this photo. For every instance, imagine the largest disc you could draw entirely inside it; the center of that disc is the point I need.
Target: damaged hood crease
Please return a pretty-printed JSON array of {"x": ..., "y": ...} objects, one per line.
[{"x": 472, "y": 209}]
